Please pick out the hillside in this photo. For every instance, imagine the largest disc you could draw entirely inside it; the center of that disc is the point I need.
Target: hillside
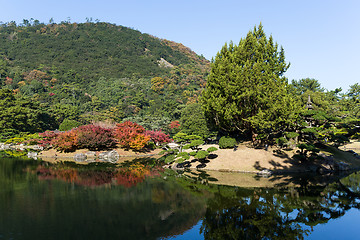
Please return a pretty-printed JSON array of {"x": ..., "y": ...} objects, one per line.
[
  {"x": 90, "y": 49},
  {"x": 98, "y": 71}
]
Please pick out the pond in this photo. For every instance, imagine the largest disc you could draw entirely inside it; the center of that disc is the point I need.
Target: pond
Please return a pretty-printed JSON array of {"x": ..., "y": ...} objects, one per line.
[{"x": 39, "y": 200}]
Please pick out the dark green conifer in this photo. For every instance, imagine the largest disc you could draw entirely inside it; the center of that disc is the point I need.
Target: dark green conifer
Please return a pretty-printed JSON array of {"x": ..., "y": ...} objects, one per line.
[{"x": 246, "y": 89}]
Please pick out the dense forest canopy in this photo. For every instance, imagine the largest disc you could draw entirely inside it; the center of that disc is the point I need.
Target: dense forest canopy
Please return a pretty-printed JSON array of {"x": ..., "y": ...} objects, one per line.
[{"x": 97, "y": 71}]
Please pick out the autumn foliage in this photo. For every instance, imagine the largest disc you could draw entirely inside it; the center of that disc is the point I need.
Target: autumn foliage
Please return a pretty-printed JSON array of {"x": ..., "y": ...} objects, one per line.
[
  {"x": 95, "y": 137},
  {"x": 84, "y": 137},
  {"x": 174, "y": 124},
  {"x": 66, "y": 141},
  {"x": 131, "y": 135},
  {"x": 158, "y": 137},
  {"x": 128, "y": 135},
  {"x": 46, "y": 138}
]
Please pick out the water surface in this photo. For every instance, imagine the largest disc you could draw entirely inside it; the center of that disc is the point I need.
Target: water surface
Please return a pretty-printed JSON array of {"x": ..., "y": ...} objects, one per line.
[{"x": 39, "y": 200}]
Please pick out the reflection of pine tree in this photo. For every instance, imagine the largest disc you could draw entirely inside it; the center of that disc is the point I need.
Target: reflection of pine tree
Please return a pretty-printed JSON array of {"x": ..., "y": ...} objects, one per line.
[{"x": 278, "y": 214}]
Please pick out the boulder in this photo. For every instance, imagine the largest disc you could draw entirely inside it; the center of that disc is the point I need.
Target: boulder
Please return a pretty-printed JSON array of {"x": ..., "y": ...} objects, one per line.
[
  {"x": 265, "y": 173},
  {"x": 80, "y": 157},
  {"x": 32, "y": 155},
  {"x": 90, "y": 154},
  {"x": 173, "y": 145},
  {"x": 37, "y": 147},
  {"x": 110, "y": 156},
  {"x": 4, "y": 146}
]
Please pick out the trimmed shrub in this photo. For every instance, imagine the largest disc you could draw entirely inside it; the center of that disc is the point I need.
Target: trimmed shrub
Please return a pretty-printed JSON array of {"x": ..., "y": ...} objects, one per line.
[
  {"x": 47, "y": 138},
  {"x": 192, "y": 153},
  {"x": 181, "y": 157},
  {"x": 196, "y": 143},
  {"x": 131, "y": 135},
  {"x": 201, "y": 154},
  {"x": 95, "y": 137},
  {"x": 66, "y": 141},
  {"x": 158, "y": 137},
  {"x": 211, "y": 149},
  {"x": 227, "y": 142}
]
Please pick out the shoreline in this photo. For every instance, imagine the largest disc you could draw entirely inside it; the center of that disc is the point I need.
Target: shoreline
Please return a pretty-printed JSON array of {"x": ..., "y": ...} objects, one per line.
[{"x": 243, "y": 159}]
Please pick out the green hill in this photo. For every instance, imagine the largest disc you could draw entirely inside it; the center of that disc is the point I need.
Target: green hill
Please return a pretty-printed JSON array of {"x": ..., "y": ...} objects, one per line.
[
  {"x": 98, "y": 71},
  {"x": 91, "y": 49}
]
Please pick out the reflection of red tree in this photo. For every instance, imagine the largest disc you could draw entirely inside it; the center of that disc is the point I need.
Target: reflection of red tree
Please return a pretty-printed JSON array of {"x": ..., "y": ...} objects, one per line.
[
  {"x": 135, "y": 174},
  {"x": 94, "y": 178},
  {"x": 128, "y": 177}
]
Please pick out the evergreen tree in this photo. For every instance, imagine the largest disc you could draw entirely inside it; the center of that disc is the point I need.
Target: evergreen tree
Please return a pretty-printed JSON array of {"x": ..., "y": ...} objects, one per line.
[
  {"x": 302, "y": 85},
  {"x": 246, "y": 89},
  {"x": 193, "y": 121}
]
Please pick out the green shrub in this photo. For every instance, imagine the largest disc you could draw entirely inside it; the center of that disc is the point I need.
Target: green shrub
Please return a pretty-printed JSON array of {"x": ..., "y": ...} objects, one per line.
[
  {"x": 211, "y": 149},
  {"x": 187, "y": 146},
  {"x": 68, "y": 124},
  {"x": 170, "y": 158},
  {"x": 192, "y": 153},
  {"x": 201, "y": 154},
  {"x": 309, "y": 130},
  {"x": 15, "y": 140},
  {"x": 196, "y": 143},
  {"x": 227, "y": 142},
  {"x": 181, "y": 157}
]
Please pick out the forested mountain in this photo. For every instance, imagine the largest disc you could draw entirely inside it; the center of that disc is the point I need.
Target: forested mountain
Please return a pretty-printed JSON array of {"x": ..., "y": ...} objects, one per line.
[{"x": 96, "y": 71}]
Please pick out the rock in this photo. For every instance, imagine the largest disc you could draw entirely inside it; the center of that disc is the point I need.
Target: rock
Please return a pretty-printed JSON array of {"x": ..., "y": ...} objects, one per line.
[
  {"x": 111, "y": 156},
  {"x": 80, "y": 157},
  {"x": 32, "y": 155},
  {"x": 90, "y": 154},
  {"x": 265, "y": 173},
  {"x": 4, "y": 146},
  {"x": 173, "y": 145},
  {"x": 90, "y": 160},
  {"x": 37, "y": 147}
]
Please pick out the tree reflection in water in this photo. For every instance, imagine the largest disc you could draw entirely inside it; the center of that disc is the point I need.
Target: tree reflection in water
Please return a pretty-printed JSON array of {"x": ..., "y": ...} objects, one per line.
[
  {"x": 282, "y": 213},
  {"x": 145, "y": 202}
]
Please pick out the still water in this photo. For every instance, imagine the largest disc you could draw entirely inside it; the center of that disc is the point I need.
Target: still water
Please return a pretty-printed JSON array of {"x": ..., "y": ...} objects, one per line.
[{"x": 39, "y": 200}]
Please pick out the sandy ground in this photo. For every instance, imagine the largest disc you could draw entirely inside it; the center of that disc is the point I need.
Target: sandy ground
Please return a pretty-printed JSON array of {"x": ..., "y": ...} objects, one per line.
[
  {"x": 247, "y": 159},
  {"x": 353, "y": 145}
]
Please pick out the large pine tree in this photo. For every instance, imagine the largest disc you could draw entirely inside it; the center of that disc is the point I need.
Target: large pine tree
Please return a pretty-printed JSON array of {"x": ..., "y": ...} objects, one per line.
[{"x": 246, "y": 89}]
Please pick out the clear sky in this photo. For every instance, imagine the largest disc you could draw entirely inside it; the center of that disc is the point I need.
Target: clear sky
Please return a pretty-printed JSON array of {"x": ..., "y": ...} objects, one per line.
[{"x": 321, "y": 38}]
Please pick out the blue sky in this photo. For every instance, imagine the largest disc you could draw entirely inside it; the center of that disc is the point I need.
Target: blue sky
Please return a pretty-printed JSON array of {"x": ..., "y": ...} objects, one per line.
[{"x": 321, "y": 38}]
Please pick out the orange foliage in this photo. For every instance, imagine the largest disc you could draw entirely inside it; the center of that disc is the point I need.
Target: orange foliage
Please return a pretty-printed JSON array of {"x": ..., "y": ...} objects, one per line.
[
  {"x": 131, "y": 135},
  {"x": 66, "y": 141},
  {"x": 139, "y": 141}
]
